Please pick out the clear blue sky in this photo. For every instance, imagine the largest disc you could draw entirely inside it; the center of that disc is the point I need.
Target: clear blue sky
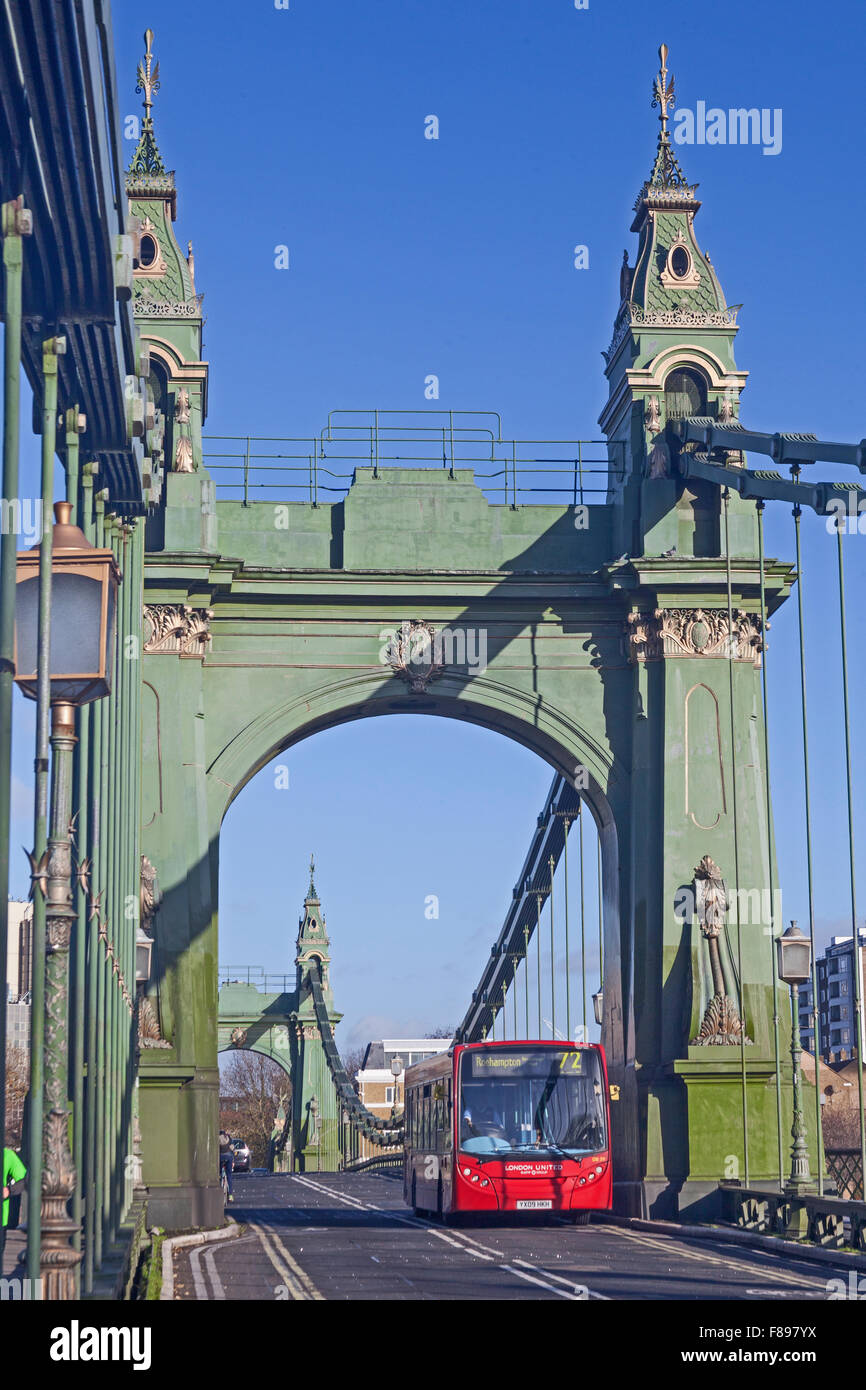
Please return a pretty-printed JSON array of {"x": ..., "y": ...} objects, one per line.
[{"x": 455, "y": 257}]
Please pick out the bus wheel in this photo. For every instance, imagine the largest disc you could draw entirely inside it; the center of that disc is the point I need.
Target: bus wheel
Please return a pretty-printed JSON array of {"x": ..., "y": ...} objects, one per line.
[{"x": 582, "y": 1218}]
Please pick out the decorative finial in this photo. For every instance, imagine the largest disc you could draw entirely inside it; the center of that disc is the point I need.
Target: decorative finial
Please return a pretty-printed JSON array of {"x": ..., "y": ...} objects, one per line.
[
  {"x": 312, "y": 892},
  {"x": 663, "y": 91},
  {"x": 148, "y": 77}
]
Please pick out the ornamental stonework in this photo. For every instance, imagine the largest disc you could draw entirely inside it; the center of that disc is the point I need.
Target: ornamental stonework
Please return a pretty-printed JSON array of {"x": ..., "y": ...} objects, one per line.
[
  {"x": 415, "y": 655},
  {"x": 149, "y": 308},
  {"x": 694, "y": 632},
  {"x": 176, "y": 629}
]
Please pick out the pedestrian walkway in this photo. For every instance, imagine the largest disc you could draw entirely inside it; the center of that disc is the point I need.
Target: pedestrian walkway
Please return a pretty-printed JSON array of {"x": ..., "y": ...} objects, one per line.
[{"x": 16, "y": 1244}]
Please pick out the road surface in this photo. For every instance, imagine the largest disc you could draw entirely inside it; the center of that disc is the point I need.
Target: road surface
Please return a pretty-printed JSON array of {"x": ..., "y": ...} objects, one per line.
[{"x": 337, "y": 1236}]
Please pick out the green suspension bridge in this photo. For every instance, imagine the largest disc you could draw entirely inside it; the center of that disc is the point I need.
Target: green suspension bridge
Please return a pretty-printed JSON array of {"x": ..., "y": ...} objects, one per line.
[{"x": 239, "y": 590}]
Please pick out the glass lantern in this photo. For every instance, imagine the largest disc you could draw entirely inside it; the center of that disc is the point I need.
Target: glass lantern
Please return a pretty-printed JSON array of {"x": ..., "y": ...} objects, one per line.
[{"x": 84, "y": 584}]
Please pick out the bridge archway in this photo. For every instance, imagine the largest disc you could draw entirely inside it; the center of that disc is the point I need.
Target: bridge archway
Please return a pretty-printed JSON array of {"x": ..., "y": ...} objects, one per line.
[{"x": 264, "y": 739}]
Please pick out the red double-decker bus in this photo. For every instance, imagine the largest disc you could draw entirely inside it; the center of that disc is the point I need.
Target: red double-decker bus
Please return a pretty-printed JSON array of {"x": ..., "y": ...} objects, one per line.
[{"x": 509, "y": 1127}]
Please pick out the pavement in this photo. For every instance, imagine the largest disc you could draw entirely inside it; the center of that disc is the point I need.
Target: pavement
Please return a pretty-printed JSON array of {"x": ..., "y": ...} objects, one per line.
[{"x": 339, "y": 1236}]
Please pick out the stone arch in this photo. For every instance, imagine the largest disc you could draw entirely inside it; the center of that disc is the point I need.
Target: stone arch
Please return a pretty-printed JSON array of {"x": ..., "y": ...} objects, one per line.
[
  {"x": 695, "y": 355},
  {"x": 263, "y": 1051},
  {"x": 550, "y": 732}
]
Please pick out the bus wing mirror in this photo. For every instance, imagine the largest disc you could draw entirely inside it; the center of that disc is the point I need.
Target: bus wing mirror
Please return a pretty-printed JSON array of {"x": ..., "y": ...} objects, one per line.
[{"x": 614, "y": 1092}]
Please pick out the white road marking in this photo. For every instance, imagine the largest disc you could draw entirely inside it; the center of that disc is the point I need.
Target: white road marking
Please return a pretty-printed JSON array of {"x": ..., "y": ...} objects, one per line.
[
  {"x": 461, "y": 1242},
  {"x": 207, "y": 1252}
]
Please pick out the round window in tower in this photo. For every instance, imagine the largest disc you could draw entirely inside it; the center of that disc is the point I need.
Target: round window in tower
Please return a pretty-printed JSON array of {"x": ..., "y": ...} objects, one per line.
[
  {"x": 147, "y": 251},
  {"x": 681, "y": 262}
]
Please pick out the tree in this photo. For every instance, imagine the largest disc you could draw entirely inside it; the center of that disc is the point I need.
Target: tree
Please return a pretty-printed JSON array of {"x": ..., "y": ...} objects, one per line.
[
  {"x": 440, "y": 1033},
  {"x": 353, "y": 1060},
  {"x": 251, "y": 1087},
  {"x": 17, "y": 1086}
]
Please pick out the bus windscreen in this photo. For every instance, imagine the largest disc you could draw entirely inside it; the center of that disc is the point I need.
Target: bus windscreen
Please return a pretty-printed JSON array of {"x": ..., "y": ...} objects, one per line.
[{"x": 545, "y": 1102}]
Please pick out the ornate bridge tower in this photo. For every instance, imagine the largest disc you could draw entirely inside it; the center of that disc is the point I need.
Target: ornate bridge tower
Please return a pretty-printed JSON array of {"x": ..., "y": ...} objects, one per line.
[
  {"x": 706, "y": 904},
  {"x": 316, "y": 1116}
]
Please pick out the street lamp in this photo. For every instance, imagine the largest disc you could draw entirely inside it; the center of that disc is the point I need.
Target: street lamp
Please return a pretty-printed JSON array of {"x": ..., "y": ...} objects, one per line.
[
  {"x": 84, "y": 584},
  {"x": 79, "y": 657},
  {"x": 396, "y": 1072},
  {"x": 598, "y": 1006},
  {"x": 794, "y": 952},
  {"x": 314, "y": 1126},
  {"x": 143, "y": 952}
]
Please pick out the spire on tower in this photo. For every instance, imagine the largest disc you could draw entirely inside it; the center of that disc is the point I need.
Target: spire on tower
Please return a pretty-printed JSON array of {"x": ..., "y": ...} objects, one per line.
[
  {"x": 666, "y": 172},
  {"x": 147, "y": 167},
  {"x": 311, "y": 893}
]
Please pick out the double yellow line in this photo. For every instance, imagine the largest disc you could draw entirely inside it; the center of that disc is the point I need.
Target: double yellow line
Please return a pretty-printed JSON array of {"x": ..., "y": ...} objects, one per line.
[{"x": 296, "y": 1280}]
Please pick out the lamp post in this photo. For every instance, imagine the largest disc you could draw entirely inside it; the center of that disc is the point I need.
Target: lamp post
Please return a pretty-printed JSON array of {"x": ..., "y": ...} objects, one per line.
[
  {"x": 794, "y": 954},
  {"x": 83, "y": 605},
  {"x": 598, "y": 1005},
  {"x": 314, "y": 1125},
  {"x": 396, "y": 1072}
]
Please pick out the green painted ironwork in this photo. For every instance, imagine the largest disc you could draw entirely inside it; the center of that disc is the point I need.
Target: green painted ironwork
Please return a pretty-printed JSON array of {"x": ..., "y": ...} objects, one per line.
[
  {"x": 810, "y": 886},
  {"x": 855, "y": 932},
  {"x": 744, "y": 1101},
  {"x": 52, "y": 348},
  {"x": 15, "y": 224},
  {"x": 759, "y": 508}
]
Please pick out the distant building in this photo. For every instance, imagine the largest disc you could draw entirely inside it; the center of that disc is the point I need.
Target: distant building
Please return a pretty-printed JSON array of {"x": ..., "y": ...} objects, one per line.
[
  {"x": 19, "y": 974},
  {"x": 834, "y": 1019},
  {"x": 376, "y": 1081},
  {"x": 19, "y": 954}
]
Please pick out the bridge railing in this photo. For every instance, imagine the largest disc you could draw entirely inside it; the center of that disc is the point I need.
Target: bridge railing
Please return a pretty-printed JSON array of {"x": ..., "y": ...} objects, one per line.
[
  {"x": 321, "y": 468},
  {"x": 256, "y": 976},
  {"x": 830, "y": 1221}
]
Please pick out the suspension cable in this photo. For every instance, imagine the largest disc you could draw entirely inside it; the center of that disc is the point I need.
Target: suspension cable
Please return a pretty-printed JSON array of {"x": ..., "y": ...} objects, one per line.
[
  {"x": 538, "y": 941},
  {"x": 600, "y": 927},
  {"x": 526, "y": 975},
  {"x": 552, "y": 865},
  {"x": 566, "y": 824},
  {"x": 374, "y": 1128},
  {"x": 743, "y": 1078},
  {"x": 759, "y": 507},
  {"x": 808, "y": 813},
  {"x": 855, "y": 944},
  {"x": 582, "y": 916}
]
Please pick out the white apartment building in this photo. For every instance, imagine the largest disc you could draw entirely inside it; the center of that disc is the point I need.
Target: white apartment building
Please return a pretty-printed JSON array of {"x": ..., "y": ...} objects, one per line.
[{"x": 376, "y": 1081}]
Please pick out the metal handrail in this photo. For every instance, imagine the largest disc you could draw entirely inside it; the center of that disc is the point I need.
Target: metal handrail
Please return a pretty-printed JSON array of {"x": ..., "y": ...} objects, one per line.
[
  {"x": 255, "y": 975},
  {"x": 295, "y": 472}
]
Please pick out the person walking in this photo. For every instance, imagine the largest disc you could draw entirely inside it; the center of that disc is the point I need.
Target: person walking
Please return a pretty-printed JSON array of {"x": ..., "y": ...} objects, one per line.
[
  {"x": 227, "y": 1162},
  {"x": 14, "y": 1173}
]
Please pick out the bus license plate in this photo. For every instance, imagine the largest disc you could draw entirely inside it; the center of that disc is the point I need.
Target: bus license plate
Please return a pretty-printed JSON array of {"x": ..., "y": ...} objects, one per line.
[{"x": 534, "y": 1205}]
